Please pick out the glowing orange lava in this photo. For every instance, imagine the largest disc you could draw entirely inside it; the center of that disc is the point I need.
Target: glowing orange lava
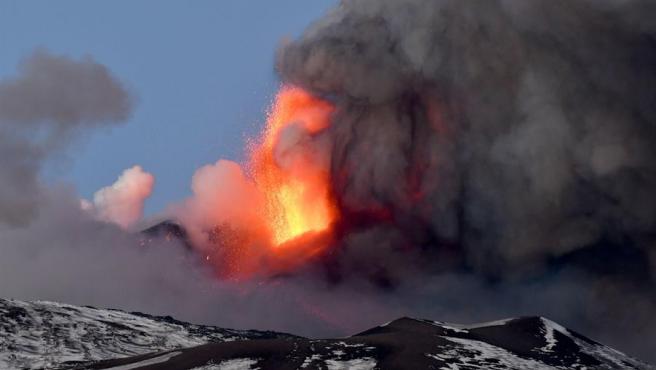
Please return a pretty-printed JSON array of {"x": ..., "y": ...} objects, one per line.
[{"x": 290, "y": 168}]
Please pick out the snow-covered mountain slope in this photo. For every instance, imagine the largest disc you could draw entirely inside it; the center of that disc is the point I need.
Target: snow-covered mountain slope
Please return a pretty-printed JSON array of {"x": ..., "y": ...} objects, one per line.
[
  {"x": 51, "y": 335},
  {"x": 522, "y": 343},
  {"x": 525, "y": 343},
  {"x": 48, "y": 334}
]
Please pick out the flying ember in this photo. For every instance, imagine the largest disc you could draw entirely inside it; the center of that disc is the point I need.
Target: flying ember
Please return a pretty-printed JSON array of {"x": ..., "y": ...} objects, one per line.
[{"x": 290, "y": 167}]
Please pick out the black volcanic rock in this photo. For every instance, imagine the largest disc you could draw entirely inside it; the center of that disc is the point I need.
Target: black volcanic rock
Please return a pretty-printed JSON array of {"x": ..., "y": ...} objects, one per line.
[{"x": 168, "y": 231}]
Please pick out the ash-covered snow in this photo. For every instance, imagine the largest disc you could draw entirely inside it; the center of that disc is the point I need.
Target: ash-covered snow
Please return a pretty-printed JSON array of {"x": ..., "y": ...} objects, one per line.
[
  {"x": 309, "y": 360},
  {"x": 338, "y": 355},
  {"x": 53, "y": 335},
  {"x": 43, "y": 334},
  {"x": 233, "y": 364},
  {"x": 356, "y": 364},
  {"x": 550, "y": 328},
  {"x": 151, "y": 361},
  {"x": 464, "y": 328},
  {"x": 468, "y": 348},
  {"x": 473, "y": 354},
  {"x": 616, "y": 359}
]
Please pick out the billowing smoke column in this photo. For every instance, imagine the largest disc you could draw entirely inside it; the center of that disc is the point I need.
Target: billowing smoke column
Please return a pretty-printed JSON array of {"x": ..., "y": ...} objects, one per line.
[
  {"x": 511, "y": 141},
  {"x": 512, "y": 131},
  {"x": 473, "y": 159},
  {"x": 495, "y": 136}
]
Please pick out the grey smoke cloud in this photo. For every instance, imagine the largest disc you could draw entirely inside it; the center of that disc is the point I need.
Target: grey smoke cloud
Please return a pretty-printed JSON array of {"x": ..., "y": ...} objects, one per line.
[
  {"x": 542, "y": 102},
  {"x": 504, "y": 137},
  {"x": 51, "y": 101},
  {"x": 52, "y": 89}
]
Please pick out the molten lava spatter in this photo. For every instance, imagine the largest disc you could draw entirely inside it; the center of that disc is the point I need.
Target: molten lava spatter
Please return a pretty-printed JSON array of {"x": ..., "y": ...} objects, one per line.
[{"x": 290, "y": 170}]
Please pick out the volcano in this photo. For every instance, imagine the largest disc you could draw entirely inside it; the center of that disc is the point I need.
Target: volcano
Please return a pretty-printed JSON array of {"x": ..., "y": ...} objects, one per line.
[
  {"x": 603, "y": 259},
  {"x": 441, "y": 159},
  {"x": 37, "y": 335}
]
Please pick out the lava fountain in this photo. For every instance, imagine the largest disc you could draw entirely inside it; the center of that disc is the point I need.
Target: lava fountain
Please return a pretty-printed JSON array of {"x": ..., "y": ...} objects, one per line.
[
  {"x": 276, "y": 211},
  {"x": 289, "y": 166}
]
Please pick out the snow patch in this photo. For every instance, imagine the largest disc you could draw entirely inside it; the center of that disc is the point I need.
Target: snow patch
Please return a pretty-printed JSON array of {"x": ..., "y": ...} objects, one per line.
[
  {"x": 385, "y": 324},
  {"x": 151, "y": 361},
  {"x": 462, "y": 328},
  {"x": 309, "y": 360},
  {"x": 234, "y": 364},
  {"x": 237, "y": 364},
  {"x": 366, "y": 363},
  {"x": 474, "y": 354},
  {"x": 550, "y": 328},
  {"x": 487, "y": 324},
  {"x": 609, "y": 355}
]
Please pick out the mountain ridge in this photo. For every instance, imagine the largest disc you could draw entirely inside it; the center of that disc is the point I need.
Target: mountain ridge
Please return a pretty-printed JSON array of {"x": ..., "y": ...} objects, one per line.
[{"x": 52, "y": 335}]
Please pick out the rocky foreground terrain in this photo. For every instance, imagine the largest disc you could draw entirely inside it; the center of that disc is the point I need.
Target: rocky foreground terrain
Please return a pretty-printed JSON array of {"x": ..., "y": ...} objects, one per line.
[{"x": 47, "y": 335}]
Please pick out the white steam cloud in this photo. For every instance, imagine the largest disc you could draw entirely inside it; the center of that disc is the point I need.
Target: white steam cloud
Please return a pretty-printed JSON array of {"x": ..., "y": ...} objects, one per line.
[
  {"x": 221, "y": 193},
  {"x": 122, "y": 202}
]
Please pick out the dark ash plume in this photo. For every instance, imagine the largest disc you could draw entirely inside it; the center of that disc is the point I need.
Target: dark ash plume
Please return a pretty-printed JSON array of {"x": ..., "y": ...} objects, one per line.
[{"x": 512, "y": 139}]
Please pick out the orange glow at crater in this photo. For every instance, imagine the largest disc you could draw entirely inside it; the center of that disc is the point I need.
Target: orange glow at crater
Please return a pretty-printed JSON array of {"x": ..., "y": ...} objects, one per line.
[{"x": 290, "y": 168}]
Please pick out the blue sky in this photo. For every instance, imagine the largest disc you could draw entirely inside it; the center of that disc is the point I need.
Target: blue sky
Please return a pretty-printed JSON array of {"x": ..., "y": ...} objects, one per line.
[{"x": 202, "y": 72}]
